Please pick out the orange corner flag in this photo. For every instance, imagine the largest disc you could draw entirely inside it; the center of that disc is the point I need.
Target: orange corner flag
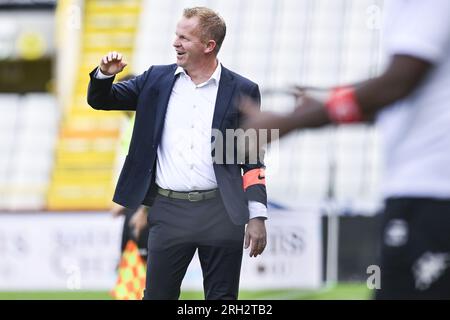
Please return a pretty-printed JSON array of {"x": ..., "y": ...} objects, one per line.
[{"x": 130, "y": 283}]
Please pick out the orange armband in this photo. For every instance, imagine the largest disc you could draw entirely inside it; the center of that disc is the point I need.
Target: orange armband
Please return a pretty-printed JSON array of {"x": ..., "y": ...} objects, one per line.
[{"x": 252, "y": 177}]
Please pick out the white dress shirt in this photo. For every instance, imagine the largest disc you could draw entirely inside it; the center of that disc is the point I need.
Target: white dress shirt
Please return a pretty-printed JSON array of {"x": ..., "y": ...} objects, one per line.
[{"x": 184, "y": 161}]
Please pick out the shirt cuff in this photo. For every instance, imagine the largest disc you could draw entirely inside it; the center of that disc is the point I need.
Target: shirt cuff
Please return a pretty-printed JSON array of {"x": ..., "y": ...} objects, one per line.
[
  {"x": 100, "y": 75},
  {"x": 257, "y": 210}
]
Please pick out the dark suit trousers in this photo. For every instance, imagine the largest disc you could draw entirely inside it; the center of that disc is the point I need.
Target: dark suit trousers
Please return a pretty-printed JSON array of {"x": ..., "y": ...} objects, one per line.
[{"x": 177, "y": 229}]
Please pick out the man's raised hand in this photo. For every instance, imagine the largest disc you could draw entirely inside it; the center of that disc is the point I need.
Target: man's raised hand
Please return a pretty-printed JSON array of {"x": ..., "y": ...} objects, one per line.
[{"x": 112, "y": 63}]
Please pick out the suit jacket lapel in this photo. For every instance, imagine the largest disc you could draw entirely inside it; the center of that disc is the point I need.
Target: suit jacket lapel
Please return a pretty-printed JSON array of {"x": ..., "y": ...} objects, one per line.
[
  {"x": 224, "y": 94},
  {"x": 165, "y": 90}
]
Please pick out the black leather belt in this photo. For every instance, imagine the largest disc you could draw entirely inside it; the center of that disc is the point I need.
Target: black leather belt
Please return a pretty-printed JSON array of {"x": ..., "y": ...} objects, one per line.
[{"x": 191, "y": 196}]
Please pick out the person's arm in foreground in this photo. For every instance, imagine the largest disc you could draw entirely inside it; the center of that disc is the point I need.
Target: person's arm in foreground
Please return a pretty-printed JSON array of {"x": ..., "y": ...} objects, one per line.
[{"x": 400, "y": 79}]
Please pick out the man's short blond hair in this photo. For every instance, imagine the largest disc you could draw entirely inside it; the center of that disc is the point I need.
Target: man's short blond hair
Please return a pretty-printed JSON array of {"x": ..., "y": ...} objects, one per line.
[{"x": 212, "y": 26}]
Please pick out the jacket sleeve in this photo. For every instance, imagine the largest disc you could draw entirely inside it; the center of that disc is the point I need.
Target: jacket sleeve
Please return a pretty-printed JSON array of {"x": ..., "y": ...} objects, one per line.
[
  {"x": 104, "y": 95},
  {"x": 254, "y": 182}
]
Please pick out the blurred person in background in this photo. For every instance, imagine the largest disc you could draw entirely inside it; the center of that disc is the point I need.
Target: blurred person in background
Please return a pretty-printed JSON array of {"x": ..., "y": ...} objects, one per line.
[
  {"x": 135, "y": 227},
  {"x": 195, "y": 202},
  {"x": 411, "y": 102}
]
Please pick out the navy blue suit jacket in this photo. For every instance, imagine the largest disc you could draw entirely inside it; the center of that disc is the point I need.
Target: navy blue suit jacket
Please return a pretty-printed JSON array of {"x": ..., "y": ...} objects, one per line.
[{"x": 148, "y": 94}]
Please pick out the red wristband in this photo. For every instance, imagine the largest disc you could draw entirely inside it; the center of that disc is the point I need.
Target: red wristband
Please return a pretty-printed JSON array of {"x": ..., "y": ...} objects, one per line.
[{"x": 342, "y": 106}]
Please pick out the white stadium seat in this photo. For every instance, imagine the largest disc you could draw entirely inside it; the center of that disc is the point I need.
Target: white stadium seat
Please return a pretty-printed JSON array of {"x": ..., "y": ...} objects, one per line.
[{"x": 28, "y": 133}]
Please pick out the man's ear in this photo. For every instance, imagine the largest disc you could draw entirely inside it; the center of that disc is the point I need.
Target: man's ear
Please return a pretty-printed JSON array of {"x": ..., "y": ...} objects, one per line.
[{"x": 210, "y": 46}]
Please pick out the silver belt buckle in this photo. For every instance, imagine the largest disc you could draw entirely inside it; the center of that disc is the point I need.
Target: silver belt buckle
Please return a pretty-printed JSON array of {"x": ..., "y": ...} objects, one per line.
[{"x": 194, "y": 196}]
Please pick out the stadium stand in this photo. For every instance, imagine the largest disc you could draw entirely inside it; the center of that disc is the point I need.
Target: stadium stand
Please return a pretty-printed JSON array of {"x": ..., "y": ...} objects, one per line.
[
  {"x": 83, "y": 178},
  {"x": 29, "y": 126}
]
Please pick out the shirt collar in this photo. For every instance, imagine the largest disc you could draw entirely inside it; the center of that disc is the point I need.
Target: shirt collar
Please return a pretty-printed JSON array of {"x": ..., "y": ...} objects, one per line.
[{"x": 215, "y": 76}]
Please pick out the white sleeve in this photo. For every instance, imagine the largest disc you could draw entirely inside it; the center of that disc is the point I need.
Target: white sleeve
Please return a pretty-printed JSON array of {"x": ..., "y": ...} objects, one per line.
[
  {"x": 100, "y": 75},
  {"x": 418, "y": 28},
  {"x": 257, "y": 210}
]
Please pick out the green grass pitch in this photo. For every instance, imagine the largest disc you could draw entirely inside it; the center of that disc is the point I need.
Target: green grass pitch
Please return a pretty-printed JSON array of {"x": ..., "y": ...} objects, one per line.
[{"x": 343, "y": 291}]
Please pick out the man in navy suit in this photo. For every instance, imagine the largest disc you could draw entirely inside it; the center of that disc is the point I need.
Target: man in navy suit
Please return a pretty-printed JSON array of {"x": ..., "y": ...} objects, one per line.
[{"x": 197, "y": 202}]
